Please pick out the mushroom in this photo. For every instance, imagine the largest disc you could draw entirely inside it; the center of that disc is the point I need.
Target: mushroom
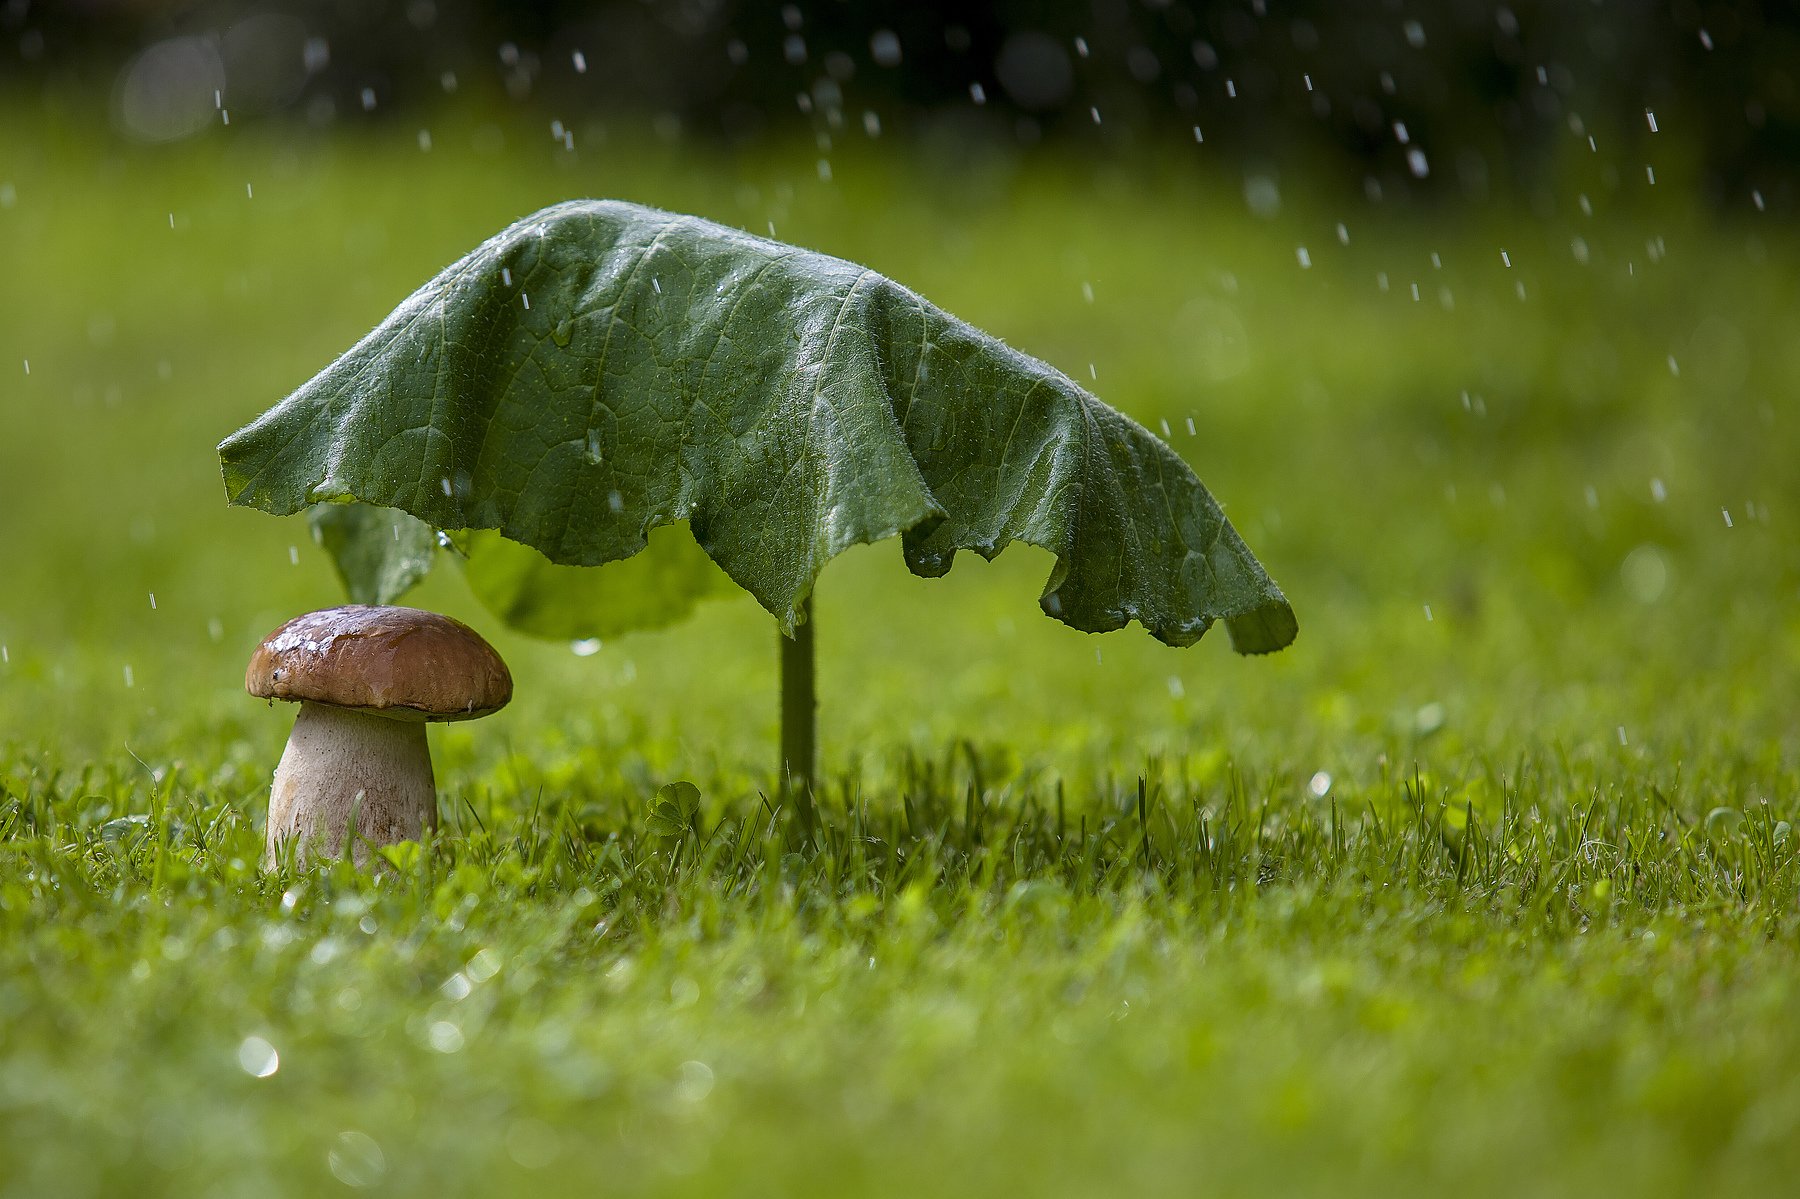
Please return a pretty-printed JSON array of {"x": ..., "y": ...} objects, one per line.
[{"x": 367, "y": 680}]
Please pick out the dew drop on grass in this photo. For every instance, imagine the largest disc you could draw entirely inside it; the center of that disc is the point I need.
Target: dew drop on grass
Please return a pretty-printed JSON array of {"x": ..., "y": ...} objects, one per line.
[
  {"x": 1645, "y": 574},
  {"x": 356, "y": 1160},
  {"x": 445, "y": 1036},
  {"x": 694, "y": 1083},
  {"x": 257, "y": 1058},
  {"x": 1319, "y": 785}
]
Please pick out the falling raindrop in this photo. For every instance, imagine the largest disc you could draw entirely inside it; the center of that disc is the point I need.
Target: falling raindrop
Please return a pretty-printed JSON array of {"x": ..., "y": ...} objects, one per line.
[
  {"x": 1726, "y": 513},
  {"x": 1658, "y": 492},
  {"x": 1305, "y": 258},
  {"x": 580, "y": 61},
  {"x": 1427, "y": 613},
  {"x": 293, "y": 555},
  {"x": 1416, "y": 163}
]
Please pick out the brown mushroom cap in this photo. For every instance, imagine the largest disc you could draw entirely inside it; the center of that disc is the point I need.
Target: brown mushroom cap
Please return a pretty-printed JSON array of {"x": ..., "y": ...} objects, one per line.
[{"x": 395, "y": 662}]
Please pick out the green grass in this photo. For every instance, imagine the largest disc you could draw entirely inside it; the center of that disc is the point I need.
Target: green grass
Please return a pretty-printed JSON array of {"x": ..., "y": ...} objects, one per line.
[{"x": 1077, "y": 919}]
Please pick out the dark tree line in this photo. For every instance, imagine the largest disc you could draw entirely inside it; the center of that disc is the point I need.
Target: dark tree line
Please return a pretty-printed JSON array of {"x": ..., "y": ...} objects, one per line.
[{"x": 1466, "y": 97}]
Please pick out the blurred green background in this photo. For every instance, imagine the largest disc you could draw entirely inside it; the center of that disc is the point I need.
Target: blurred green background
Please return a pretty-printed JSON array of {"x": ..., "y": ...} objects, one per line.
[{"x": 1512, "y": 428}]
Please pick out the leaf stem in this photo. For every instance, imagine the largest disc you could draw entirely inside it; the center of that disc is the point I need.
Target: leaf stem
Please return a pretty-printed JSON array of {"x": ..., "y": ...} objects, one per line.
[{"x": 799, "y": 713}]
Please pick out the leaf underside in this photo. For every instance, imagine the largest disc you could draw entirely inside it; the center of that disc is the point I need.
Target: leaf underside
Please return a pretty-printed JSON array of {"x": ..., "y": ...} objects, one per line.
[{"x": 600, "y": 369}]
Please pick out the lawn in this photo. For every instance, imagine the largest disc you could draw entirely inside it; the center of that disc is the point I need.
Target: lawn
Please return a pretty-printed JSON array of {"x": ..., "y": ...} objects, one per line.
[{"x": 1487, "y": 883}]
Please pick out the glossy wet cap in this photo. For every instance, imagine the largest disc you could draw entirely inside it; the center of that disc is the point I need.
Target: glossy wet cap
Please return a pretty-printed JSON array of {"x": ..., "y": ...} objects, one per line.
[{"x": 398, "y": 662}]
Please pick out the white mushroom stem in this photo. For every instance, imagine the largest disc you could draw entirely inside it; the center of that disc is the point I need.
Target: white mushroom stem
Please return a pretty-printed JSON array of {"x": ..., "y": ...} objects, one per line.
[{"x": 339, "y": 761}]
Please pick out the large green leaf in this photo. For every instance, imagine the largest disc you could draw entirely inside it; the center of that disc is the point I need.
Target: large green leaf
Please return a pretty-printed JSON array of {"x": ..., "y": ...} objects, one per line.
[
  {"x": 534, "y": 595},
  {"x": 600, "y": 369},
  {"x": 380, "y": 553}
]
